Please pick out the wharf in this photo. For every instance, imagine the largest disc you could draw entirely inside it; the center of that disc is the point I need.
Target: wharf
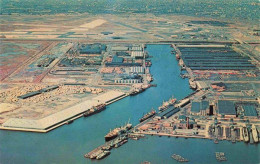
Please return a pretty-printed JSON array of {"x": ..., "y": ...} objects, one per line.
[
  {"x": 172, "y": 135},
  {"x": 88, "y": 155},
  {"x": 55, "y": 120}
]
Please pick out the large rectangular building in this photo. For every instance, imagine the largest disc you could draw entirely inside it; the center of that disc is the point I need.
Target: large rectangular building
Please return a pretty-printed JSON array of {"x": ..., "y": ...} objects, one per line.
[
  {"x": 200, "y": 108},
  {"x": 249, "y": 110},
  {"x": 226, "y": 108}
]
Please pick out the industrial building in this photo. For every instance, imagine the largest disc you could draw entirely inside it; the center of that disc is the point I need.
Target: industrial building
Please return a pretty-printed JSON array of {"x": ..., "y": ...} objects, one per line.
[
  {"x": 137, "y": 70},
  {"x": 168, "y": 112},
  {"x": 200, "y": 108},
  {"x": 136, "y": 48},
  {"x": 250, "y": 110},
  {"x": 218, "y": 58},
  {"x": 137, "y": 54},
  {"x": 119, "y": 48},
  {"x": 92, "y": 48},
  {"x": 226, "y": 108},
  {"x": 127, "y": 81}
]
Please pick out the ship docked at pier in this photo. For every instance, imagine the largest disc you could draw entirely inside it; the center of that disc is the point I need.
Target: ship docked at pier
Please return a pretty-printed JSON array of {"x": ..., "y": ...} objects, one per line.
[
  {"x": 117, "y": 131},
  {"x": 148, "y": 115},
  {"x": 167, "y": 104},
  {"x": 95, "y": 109}
]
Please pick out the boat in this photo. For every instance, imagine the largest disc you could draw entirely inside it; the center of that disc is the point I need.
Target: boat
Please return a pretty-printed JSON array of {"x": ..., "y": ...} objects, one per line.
[
  {"x": 220, "y": 156},
  {"x": 193, "y": 85},
  {"x": 69, "y": 122},
  {"x": 148, "y": 115},
  {"x": 166, "y": 104},
  {"x": 136, "y": 91},
  {"x": 245, "y": 134},
  {"x": 179, "y": 158},
  {"x": 177, "y": 56},
  {"x": 117, "y": 131},
  {"x": 146, "y": 162},
  {"x": 255, "y": 134},
  {"x": 120, "y": 143},
  {"x": 108, "y": 147},
  {"x": 216, "y": 141},
  {"x": 95, "y": 154},
  {"x": 94, "y": 110},
  {"x": 103, "y": 154}
]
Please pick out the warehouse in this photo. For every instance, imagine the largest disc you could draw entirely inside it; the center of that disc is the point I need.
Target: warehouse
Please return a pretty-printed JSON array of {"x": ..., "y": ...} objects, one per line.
[
  {"x": 119, "y": 48},
  {"x": 200, "y": 108},
  {"x": 215, "y": 59},
  {"x": 117, "y": 59},
  {"x": 226, "y": 108},
  {"x": 168, "y": 112},
  {"x": 92, "y": 48},
  {"x": 137, "y": 54},
  {"x": 249, "y": 110},
  {"x": 137, "y": 70},
  {"x": 136, "y": 48}
]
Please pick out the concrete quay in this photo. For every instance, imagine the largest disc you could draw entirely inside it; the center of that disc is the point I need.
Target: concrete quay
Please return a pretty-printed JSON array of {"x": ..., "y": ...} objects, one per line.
[{"x": 65, "y": 116}]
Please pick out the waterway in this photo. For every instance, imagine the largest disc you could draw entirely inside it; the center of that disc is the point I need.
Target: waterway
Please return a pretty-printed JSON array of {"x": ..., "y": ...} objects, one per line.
[{"x": 69, "y": 143}]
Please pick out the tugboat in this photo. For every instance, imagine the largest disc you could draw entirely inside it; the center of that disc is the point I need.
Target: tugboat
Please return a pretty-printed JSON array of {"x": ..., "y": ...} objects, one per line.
[
  {"x": 94, "y": 110},
  {"x": 117, "y": 131},
  {"x": 148, "y": 115}
]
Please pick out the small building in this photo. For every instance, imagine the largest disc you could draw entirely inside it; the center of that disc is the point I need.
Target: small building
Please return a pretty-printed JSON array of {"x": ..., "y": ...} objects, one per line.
[{"x": 226, "y": 108}]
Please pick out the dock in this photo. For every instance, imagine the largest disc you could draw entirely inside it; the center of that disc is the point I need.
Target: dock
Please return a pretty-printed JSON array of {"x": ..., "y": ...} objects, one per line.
[{"x": 60, "y": 118}]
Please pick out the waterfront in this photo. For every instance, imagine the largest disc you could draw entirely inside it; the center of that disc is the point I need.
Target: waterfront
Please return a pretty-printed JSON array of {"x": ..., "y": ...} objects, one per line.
[{"x": 68, "y": 144}]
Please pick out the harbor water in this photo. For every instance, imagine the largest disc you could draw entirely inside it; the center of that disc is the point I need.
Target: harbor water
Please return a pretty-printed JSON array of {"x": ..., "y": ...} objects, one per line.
[{"x": 68, "y": 144}]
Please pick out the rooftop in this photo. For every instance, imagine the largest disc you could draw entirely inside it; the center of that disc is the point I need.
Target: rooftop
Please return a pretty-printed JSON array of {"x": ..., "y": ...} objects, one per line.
[
  {"x": 249, "y": 110},
  {"x": 226, "y": 107}
]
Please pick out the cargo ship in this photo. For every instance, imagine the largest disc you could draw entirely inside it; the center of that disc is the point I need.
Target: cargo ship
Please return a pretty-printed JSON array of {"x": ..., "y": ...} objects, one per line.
[
  {"x": 136, "y": 91},
  {"x": 95, "y": 109},
  {"x": 245, "y": 134},
  {"x": 166, "y": 104},
  {"x": 148, "y": 115},
  {"x": 117, "y": 131}
]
